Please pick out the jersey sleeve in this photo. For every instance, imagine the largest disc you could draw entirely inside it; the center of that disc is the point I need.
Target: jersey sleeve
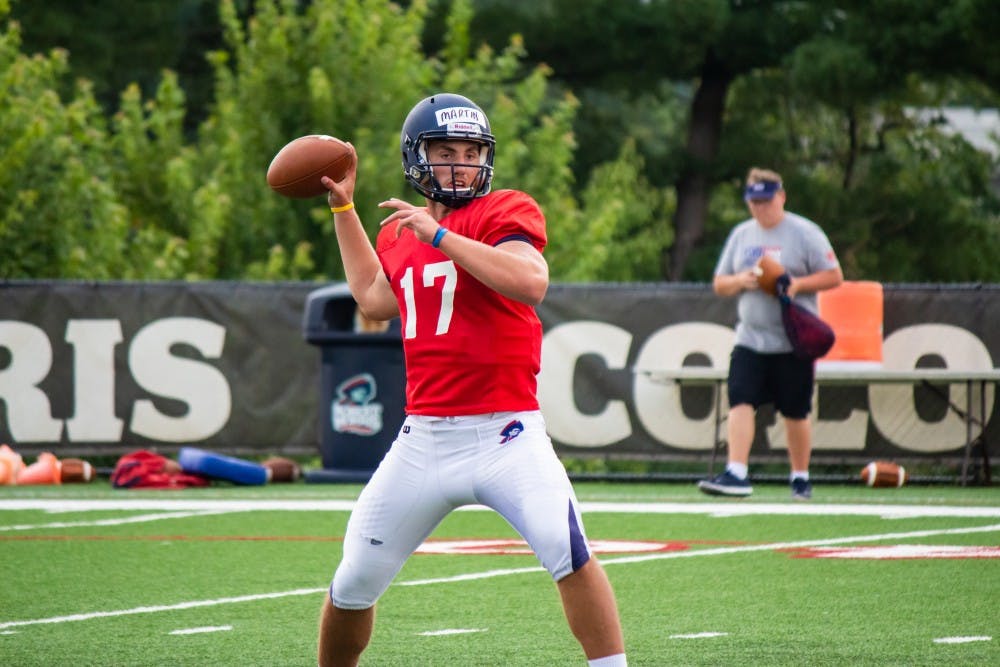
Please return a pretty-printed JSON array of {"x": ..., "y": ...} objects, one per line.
[
  {"x": 819, "y": 254},
  {"x": 725, "y": 265},
  {"x": 515, "y": 215}
]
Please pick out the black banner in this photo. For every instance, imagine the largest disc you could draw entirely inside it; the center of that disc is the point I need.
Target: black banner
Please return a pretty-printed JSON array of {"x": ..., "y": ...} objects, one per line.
[
  {"x": 599, "y": 338},
  {"x": 109, "y": 367}
]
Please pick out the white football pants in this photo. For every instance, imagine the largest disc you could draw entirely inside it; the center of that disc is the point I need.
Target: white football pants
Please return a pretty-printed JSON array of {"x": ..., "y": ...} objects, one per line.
[{"x": 502, "y": 460}]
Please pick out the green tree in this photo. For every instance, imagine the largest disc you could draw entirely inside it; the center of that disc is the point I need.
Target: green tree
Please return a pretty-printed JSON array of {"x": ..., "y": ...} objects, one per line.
[
  {"x": 631, "y": 122},
  {"x": 816, "y": 90},
  {"x": 57, "y": 207},
  {"x": 151, "y": 204},
  {"x": 117, "y": 44}
]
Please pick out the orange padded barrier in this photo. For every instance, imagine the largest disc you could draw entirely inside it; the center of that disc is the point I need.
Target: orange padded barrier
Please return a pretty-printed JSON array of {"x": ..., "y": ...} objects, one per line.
[
  {"x": 43, "y": 471},
  {"x": 854, "y": 310}
]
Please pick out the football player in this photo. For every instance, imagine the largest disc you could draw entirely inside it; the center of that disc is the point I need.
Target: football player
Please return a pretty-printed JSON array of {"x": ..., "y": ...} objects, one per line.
[{"x": 463, "y": 272}]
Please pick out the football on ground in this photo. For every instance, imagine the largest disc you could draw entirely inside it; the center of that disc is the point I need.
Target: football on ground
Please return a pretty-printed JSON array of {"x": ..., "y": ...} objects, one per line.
[
  {"x": 75, "y": 470},
  {"x": 884, "y": 474},
  {"x": 298, "y": 167},
  {"x": 280, "y": 469}
]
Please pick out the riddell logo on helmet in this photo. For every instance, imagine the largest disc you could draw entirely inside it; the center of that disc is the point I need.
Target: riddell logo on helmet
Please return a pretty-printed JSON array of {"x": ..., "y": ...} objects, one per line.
[
  {"x": 453, "y": 115},
  {"x": 468, "y": 128}
]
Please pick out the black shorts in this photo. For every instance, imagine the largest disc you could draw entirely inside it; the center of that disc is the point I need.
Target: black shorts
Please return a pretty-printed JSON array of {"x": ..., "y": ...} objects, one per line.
[{"x": 781, "y": 378}]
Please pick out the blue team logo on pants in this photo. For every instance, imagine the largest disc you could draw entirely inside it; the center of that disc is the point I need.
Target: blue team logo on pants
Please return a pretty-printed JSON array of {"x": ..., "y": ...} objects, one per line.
[{"x": 511, "y": 431}]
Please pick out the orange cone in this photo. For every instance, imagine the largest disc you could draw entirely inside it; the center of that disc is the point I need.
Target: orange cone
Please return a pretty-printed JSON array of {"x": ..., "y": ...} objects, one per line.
[
  {"x": 11, "y": 465},
  {"x": 46, "y": 470}
]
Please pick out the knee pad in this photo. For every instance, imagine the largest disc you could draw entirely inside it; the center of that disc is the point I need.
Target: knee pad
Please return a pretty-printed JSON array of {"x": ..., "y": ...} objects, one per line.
[
  {"x": 347, "y": 592},
  {"x": 358, "y": 583}
]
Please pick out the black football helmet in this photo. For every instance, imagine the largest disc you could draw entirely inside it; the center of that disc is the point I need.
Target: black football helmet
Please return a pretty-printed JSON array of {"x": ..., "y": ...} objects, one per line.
[{"x": 446, "y": 116}]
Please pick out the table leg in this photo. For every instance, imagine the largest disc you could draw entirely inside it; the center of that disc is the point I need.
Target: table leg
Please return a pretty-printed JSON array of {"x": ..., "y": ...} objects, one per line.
[
  {"x": 718, "y": 422},
  {"x": 987, "y": 477},
  {"x": 968, "y": 432}
]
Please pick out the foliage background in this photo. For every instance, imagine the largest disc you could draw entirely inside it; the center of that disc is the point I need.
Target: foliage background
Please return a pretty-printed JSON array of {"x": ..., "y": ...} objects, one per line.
[{"x": 136, "y": 149}]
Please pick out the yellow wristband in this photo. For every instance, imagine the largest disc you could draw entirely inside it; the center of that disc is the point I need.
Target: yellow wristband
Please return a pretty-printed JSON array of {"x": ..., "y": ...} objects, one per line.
[{"x": 340, "y": 209}]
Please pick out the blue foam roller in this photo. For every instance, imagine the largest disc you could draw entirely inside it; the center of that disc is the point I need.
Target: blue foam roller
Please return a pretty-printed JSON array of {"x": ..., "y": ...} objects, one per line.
[{"x": 220, "y": 466}]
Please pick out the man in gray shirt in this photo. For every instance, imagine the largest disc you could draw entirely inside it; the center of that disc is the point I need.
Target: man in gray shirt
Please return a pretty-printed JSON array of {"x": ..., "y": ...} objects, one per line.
[{"x": 762, "y": 368}]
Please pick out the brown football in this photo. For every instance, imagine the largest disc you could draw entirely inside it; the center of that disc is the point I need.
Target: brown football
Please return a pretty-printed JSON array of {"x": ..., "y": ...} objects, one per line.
[
  {"x": 75, "y": 470},
  {"x": 768, "y": 272},
  {"x": 884, "y": 474},
  {"x": 280, "y": 469},
  {"x": 298, "y": 167}
]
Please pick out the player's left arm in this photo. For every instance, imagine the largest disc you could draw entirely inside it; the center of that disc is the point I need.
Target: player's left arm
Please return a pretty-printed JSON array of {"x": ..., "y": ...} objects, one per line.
[
  {"x": 816, "y": 282},
  {"x": 515, "y": 268},
  {"x": 821, "y": 260}
]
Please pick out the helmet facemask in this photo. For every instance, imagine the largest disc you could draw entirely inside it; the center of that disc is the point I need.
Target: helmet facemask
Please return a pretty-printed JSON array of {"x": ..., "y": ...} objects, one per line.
[
  {"x": 456, "y": 195},
  {"x": 447, "y": 117}
]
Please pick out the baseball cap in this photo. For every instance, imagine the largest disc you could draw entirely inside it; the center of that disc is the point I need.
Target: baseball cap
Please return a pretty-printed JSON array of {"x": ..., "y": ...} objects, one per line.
[{"x": 761, "y": 190}]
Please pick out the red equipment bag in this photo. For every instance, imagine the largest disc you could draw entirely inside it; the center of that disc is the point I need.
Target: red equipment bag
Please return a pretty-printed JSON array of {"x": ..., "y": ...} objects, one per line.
[
  {"x": 143, "y": 469},
  {"x": 810, "y": 336}
]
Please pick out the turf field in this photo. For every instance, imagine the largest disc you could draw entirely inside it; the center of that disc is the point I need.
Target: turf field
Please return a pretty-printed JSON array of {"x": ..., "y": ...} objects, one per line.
[{"x": 235, "y": 576}]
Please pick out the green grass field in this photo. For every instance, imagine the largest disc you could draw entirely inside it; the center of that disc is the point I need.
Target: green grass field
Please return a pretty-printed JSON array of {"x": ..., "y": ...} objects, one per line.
[{"x": 235, "y": 576}]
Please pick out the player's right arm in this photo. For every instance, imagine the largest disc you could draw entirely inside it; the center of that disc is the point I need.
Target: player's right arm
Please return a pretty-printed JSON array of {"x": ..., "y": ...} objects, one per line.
[
  {"x": 364, "y": 272},
  {"x": 362, "y": 268},
  {"x": 728, "y": 279},
  {"x": 733, "y": 284}
]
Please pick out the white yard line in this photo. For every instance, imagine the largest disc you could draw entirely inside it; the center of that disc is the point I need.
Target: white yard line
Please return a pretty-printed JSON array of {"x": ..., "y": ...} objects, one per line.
[
  {"x": 163, "y": 607},
  {"x": 199, "y": 631},
  {"x": 451, "y": 631},
  {"x": 721, "y": 508},
  {"x": 141, "y": 518},
  {"x": 175, "y": 505},
  {"x": 962, "y": 640},
  {"x": 498, "y": 573},
  {"x": 775, "y": 546},
  {"x": 719, "y": 551}
]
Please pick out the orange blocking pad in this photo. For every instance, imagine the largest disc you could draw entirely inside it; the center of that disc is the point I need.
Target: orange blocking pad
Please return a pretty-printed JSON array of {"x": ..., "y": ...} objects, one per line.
[
  {"x": 854, "y": 310},
  {"x": 11, "y": 465},
  {"x": 46, "y": 470}
]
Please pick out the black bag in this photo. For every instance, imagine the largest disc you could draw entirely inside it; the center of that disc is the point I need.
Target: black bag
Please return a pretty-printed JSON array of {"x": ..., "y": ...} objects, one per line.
[{"x": 810, "y": 336}]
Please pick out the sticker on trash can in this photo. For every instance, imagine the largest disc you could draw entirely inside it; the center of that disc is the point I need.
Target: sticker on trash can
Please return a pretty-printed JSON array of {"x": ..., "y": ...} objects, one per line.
[{"x": 352, "y": 410}]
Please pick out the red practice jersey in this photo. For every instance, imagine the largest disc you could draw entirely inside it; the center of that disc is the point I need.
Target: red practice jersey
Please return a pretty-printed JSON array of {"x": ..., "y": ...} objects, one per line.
[{"x": 469, "y": 350}]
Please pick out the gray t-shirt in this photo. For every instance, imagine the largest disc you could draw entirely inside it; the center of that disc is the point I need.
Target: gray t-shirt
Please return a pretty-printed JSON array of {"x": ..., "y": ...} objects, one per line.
[{"x": 800, "y": 246}]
